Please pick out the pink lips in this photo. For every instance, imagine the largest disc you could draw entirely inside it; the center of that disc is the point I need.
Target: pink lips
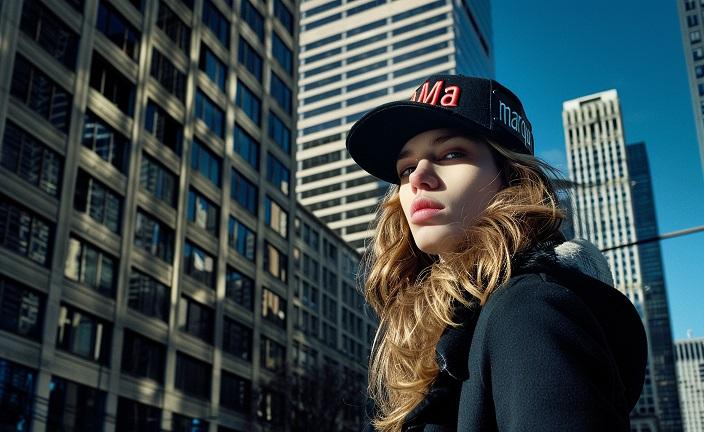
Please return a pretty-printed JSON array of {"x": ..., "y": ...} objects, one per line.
[{"x": 423, "y": 209}]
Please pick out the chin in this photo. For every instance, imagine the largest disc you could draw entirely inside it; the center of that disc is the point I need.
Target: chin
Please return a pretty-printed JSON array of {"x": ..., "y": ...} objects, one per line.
[{"x": 435, "y": 240}]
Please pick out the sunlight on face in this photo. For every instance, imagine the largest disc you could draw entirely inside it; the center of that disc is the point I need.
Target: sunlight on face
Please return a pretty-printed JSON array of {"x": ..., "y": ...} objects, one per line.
[{"x": 447, "y": 180}]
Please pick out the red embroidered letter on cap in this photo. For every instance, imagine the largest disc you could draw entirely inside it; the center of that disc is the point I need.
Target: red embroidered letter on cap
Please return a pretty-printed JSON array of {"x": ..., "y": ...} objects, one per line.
[
  {"x": 431, "y": 97},
  {"x": 451, "y": 97}
]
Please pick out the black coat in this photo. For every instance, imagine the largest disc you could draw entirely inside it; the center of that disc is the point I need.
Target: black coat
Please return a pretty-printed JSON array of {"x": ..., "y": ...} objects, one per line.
[{"x": 553, "y": 349}]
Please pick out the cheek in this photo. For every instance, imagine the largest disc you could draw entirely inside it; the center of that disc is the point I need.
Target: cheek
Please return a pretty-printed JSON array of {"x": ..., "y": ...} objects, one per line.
[{"x": 405, "y": 197}]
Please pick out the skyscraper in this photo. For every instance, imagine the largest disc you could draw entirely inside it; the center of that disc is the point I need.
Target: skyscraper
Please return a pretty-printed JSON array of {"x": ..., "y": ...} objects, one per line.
[
  {"x": 613, "y": 205},
  {"x": 355, "y": 56},
  {"x": 692, "y": 22},
  {"x": 149, "y": 231},
  {"x": 690, "y": 376}
]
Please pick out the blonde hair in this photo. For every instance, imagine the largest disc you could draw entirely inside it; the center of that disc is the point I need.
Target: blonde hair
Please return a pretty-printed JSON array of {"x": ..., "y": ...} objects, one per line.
[{"x": 413, "y": 292}]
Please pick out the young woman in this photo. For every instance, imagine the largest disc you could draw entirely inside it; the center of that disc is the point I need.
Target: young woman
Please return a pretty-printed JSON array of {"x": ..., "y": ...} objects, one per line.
[{"x": 489, "y": 319}]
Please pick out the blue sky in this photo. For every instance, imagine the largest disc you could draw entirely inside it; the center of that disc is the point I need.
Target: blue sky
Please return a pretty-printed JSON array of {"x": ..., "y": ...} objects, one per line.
[{"x": 563, "y": 50}]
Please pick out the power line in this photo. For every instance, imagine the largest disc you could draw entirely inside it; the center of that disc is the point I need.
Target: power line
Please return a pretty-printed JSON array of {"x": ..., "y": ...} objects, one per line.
[{"x": 658, "y": 237}]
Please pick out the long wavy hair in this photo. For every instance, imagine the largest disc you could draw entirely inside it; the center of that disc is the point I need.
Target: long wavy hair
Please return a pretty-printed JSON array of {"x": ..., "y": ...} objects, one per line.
[{"x": 413, "y": 292}]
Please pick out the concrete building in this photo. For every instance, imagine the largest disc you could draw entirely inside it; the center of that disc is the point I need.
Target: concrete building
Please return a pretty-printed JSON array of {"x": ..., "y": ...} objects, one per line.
[
  {"x": 692, "y": 23},
  {"x": 690, "y": 377},
  {"x": 613, "y": 205},
  {"x": 355, "y": 56},
  {"x": 146, "y": 209}
]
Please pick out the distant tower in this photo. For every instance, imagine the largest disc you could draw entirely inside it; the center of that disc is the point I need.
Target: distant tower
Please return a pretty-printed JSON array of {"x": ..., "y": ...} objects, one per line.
[
  {"x": 612, "y": 205},
  {"x": 692, "y": 22},
  {"x": 690, "y": 374}
]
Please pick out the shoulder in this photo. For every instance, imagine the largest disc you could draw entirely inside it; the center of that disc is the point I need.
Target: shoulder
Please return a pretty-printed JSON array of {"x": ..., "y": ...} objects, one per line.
[{"x": 534, "y": 311}]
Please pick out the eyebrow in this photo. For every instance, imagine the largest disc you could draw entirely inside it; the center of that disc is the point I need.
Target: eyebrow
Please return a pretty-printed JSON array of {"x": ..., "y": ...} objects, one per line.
[{"x": 437, "y": 141}]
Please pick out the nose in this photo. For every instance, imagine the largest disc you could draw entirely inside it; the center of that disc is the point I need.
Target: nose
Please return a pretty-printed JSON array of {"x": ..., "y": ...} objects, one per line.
[{"x": 424, "y": 176}]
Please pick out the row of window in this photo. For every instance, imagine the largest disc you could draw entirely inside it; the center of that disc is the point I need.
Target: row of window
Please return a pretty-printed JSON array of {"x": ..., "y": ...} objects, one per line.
[{"x": 68, "y": 398}]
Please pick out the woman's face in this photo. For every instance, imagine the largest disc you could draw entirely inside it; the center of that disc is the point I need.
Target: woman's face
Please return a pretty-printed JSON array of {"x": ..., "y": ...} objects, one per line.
[{"x": 447, "y": 180}]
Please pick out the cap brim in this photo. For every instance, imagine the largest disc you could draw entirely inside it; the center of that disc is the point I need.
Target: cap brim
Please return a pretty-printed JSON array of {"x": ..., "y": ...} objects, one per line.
[{"x": 375, "y": 141}]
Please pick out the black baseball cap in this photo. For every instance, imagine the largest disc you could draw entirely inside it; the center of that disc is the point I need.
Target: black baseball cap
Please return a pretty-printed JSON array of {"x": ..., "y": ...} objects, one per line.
[{"x": 479, "y": 106}]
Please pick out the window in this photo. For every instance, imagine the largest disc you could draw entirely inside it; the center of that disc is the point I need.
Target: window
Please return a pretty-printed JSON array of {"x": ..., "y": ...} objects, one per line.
[
  {"x": 45, "y": 28},
  {"x": 242, "y": 239},
  {"x": 248, "y": 57},
  {"x": 192, "y": 376},
  {"x": 98, "y": 201},
  {"x": 692, "y": 20},
  {"x": 196, "y": 319},
  {"x": 321, "y": 22},
  {"x": 275, "y": 217},
  {"x": 83, "y": 335},
  {"x": 277, "y": 174},
  {"x": 271, "y": 406},
  {"x": 699, "y": 71},
  {"x": 320, "y": 9},
  {"x": 189, "y": 424},
  {"x": 275, "y": 262},
  {"x": 137, "y": 417},
  {"x": 320, "y": 69},
  {"x": 112, "y": 84},
  {"x": 246, "y": 146},
  {"x": 205, "y": 162},
  {"x": 217, "y": 23},
  {"x": 22, "y": 309},
  {"x": 366, "y": 41},
  {"x": 253, "y": 18},
  {"x": 41, "y": 94},
  {"x": 695, "y": 36},
  {"x": 165, "y": 128},
  {"x": 208, "y": 111},
  {"x": 174, "y": 27},
  {"x": 284, "y": 15},
  {"x": 244, "y": 192},
  {"x": 148, "y": 296},
  {"x": 237, "y": 339},
  {"x": 239, "y": 288},
  {"x": 273, "y": 354},
  {"x": 168, "y": 75},
  {"x": 321, "y": 56},
  {"x": 116, "y": 28},
  {"x": 213, "y": 66},
  {"x": 236, "y": 392},
  {"x": 321, "y": 96},
  {"x": 31, "y": 159},
  {"x": 105, "y": 141},
  {"x": 158, "y": 180},
  {"x": 22, "y": 232},
  {"x": 17, "y": 382},
  {"x": 198, "y": 264},
  {"x": 310, "y": 236},
  {"x": 249, "y": 103},
  {"x": 153, "y": 236},
  {"x": 279, "y": 132},
  {"x": 698, "y": 54},
  {"x": 203, "y": 212},
  {"x": 282, "y": 53},
  {"x": 143, "y": 357},
  {"x": 304, "y": 356},
  {"x": 91, "y": 266},
  {"x": 67, "y": 399},
  {"x": 273, "y": 308}
]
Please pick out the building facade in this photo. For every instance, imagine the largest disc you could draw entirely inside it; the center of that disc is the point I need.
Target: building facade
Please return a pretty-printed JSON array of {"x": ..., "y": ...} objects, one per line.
[
  {"x": 692, "y": 24},
  {"x": 613, "y": 205},
  {"x": 355, "y": 56},
  {"x": 148, "y": 219},
  {"x": 690, "y": 377}
]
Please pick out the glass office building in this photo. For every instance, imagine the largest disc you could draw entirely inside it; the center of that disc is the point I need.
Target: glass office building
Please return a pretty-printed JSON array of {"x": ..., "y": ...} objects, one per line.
[{"x": 149, "y": 231}]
